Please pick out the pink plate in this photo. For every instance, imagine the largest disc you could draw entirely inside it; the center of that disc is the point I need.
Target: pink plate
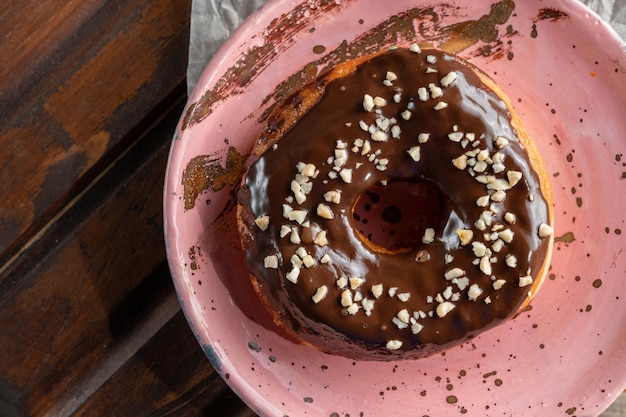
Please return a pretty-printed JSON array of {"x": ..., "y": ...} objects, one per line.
[{"x": 564, "y": 70}]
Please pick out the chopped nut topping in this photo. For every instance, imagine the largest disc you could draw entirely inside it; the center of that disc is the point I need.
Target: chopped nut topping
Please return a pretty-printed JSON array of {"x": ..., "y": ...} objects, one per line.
[
  {"x": 441, "y": 105},
  {"x": 293, "y": 274},
  {"x": 308, "y": 261},
  {"x": 444, "y": 308},
  {"x": 422, "y": 94},
  {"x": 455, "y": 136},
  {"x": 454, "y": 273},
  {"x": 510, "y": 260},
  {"x": 368, "y": 102},
  {"x": 320, "y": 238},
  {"x": 483, "y": 201},
  {"x": 501, "y": 142},
  {"x": 465, "y": 235},
  {"x": 460, "y": 162},
  {"x": 324, "y": 211},
  {"x": 297, "y": 215},
  {"x": 435, "y": 92},
  {"x": 379, "y": 101},
  {"x": 377, "y": 290},
  {"x": 485, "y": 265},
  {"x": 333, "y": 196},
  {"x": 416, "y": 328},
  {"x": 346, "y": 298},
  {"x": 352, "y": 309},
  {"x": 525, "y": 281},
  {"x": 474, "y": 292},
  {"x": 415, "y": 48},
  {"x": 429, "y": 235},
  {"x": 271, "y": 261},
  {"x": 545, "y": 230},
  {"x": 262, "y": 222},
  {"x": 320, "y": 294},
  {"x": 404, "y": 296},
  {"x": 284, "y": 230},
  {"x": 479, "y": 249},
  {"x": 379, "y": 136},
  {"x": 406, "y": 115},
  {"x": 448, "y": 79},
  {"x": 368, "y": 306},
  {"x": 513, "y": 177},
  {"x": 394, "y": 344},
  {"x": 403, "y": 315},
  {"x": 497, "y": 245},
  {"x": 461, "y": 283},
  {"x": 423, "y": 137},
  {"x": 295, "y": 236},
  {"x": 510, "y": 217},
  {"x": 415, "y": 153},
  {"x": 431, "y": 59},
  {"x": 325, "y": 259},
  {"x": 342, "y": 282},
  {"x": 399, "y": 323},
  {"x": 346, "y": 175},
  {"x": 497, "y": 284},
  {"x": 498, "y": 196},
  {"x": 356, "y": 282},
  {"x": 506, "y": 235}
]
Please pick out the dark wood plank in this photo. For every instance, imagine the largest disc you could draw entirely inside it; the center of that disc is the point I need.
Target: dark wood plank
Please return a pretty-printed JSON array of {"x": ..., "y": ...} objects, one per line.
[
  {"x": 172, "y": 376},
  {"x": 90, "y": 283},
  {"x": 76, "y": 78}
]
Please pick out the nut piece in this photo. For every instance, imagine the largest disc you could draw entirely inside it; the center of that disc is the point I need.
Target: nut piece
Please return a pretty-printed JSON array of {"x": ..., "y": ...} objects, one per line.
[
  {"x": 414, "y": 152},
  {"x": 394, "y": 344},
  {"x": 320, "y": 294},
  {"x": 474, "y": 292},
  {"x": 325, "y": 212},
  {"x": 526, "y": 280},
  {"x": 333, "y": 196},
  {"x": 465, "y": 235},
  {"x": 377, "y": 290},
  {"x": 545, "y": 230},
  {"x": 262, "y": 222},
  {"x": 454, "y": 273},
  {"x": 293, "y": 275},
  {"x": 271, "y": 261},
  {"x": 444, "y": 308},
  {"x": 429, "y": 235}
]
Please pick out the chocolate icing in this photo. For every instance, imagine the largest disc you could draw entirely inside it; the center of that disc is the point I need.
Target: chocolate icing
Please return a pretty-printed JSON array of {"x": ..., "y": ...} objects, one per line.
[{"x": 414, "y": 268}]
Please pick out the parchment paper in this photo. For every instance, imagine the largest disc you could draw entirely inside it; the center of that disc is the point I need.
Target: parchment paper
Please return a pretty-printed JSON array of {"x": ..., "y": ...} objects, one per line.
[{"x": 212, "y": 22}]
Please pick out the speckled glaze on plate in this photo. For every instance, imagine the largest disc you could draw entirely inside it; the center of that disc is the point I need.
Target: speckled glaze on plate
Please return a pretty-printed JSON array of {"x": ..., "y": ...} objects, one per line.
[{"x": 565, "y": 72}]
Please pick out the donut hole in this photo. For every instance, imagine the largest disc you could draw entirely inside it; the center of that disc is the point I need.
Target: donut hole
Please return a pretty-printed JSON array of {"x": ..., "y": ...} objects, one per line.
[{"x": 393, "y": 217}]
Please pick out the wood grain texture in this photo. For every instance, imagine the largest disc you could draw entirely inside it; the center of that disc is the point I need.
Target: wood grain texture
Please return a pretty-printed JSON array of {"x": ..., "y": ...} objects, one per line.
[
  {"x": 90, "y": 94},
  {"x": 77, "y": 78}
]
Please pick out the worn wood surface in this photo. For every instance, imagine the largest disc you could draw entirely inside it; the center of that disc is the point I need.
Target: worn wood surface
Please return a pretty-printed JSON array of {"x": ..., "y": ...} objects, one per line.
[{"x": 90, "y": 93}]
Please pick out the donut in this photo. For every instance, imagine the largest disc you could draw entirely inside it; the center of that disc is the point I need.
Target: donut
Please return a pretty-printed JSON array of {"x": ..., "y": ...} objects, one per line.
[{"x": 395, "y": 207}]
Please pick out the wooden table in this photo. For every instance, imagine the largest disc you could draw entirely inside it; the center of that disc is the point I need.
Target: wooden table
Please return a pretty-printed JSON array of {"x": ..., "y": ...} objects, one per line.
[{"x": 90, "y": 93}]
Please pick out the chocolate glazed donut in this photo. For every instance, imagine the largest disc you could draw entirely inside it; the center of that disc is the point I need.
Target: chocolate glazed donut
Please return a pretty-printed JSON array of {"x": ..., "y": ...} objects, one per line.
[{"x": 395, "y": 207}]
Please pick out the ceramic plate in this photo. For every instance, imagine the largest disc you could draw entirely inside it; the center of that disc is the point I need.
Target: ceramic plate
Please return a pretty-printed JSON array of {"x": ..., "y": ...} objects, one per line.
[{"x": 566, "y": 74}]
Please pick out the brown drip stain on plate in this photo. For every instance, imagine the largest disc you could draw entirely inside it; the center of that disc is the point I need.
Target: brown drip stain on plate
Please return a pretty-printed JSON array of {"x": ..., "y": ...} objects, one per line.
[
  {"x": 254, "y": 60},
  {"x": 205, "y": 172}
]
